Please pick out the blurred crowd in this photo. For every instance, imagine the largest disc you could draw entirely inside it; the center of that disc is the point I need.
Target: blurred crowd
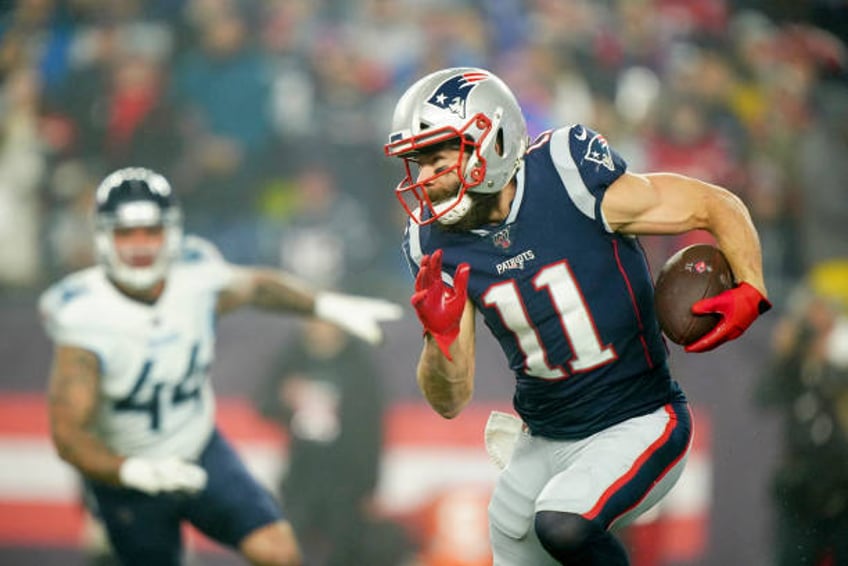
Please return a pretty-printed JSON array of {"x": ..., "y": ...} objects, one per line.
[{"x": 269, "y": 116}]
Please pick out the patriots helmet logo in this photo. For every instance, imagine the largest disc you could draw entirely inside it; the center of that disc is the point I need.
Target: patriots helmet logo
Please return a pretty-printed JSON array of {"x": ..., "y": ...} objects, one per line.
[{"x": 453, "y": 93}]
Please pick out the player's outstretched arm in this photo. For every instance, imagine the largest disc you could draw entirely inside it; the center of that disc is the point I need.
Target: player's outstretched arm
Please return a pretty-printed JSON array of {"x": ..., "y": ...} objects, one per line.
[
  {"x": 666, "y": 203},
  {"x": 73, "y": 395},
  {"x": 276, "y": 290},
  {"x": 446, "y": 366}
]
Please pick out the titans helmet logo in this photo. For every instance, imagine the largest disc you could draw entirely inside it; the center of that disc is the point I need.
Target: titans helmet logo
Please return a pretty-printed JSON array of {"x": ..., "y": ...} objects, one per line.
[{"x": 453, "y": 93}]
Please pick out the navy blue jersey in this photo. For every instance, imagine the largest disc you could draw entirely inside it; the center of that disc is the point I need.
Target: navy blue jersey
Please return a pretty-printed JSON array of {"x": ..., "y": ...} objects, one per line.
[{"x": 569, "y": 301}]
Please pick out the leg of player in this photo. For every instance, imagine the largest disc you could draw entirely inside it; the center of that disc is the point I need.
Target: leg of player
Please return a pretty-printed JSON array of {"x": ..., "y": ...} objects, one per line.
[
  {"x": 149, "y": 534},
  {"x": 271, "y": 545},
  {"x": 237, "y": 511},
  {"x": 565, "y": 504},
  {"x": 623, "y": 471}
]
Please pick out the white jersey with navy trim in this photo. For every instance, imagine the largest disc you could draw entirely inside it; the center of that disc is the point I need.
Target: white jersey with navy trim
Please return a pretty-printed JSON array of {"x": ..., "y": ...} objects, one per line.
[
  {"x": 569, "y": 301},
  {"x": 156, "y": 399}
]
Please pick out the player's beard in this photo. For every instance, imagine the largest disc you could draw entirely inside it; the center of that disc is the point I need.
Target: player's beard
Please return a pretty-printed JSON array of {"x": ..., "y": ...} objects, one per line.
[{"x": 482, "y": 206}]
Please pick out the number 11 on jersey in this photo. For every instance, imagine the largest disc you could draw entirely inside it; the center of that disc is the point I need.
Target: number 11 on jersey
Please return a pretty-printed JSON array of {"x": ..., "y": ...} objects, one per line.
[{"x": 577, "y": 323}]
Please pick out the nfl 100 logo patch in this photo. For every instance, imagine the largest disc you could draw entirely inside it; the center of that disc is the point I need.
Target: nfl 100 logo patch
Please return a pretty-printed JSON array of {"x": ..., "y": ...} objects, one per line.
[{"x": 501, "y": 239}]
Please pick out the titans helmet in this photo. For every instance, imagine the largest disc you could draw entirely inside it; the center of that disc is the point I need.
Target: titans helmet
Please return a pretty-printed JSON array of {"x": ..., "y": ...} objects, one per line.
[
  {"x": 136, "y": 197},
  {"x": 473, "y": 108}
]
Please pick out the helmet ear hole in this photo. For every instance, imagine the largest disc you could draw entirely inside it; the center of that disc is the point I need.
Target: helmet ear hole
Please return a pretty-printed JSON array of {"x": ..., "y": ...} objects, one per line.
[{"x": 499, "y": 142}]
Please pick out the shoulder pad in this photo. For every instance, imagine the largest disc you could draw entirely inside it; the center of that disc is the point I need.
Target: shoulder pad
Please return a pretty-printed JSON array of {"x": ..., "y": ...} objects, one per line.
[{"x": 196, "y": 249}]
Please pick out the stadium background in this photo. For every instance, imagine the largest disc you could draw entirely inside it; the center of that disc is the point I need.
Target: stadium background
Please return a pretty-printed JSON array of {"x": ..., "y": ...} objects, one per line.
[{"x": 269, "y": 118}]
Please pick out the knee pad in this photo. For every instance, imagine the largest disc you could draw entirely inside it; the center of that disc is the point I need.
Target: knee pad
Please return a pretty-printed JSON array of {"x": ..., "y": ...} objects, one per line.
[
  {"x": 565, "y": 534},
  {"x": 576, "y": 541}
]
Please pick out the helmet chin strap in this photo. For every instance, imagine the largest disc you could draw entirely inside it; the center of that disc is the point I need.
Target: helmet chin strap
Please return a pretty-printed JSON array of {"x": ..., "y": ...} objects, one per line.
[{"x": 458, "y": 208}]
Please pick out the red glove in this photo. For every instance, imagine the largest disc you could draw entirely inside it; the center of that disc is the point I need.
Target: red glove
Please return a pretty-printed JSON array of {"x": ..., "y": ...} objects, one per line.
[
  {"x": 438, "y": 306},
  {"x": 738, "y": 307}
]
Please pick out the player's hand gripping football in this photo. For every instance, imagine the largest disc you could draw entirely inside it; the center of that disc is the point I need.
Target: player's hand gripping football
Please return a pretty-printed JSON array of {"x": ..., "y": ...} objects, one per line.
[
  {"x": 157, "y": 476},
  {"x": 738, "y": 307},
  {"x": 359, "y": 316},
  {"x": 438, "y": 306}
]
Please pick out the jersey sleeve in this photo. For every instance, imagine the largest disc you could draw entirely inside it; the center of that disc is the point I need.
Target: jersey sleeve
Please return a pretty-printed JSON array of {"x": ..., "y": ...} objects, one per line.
[
  {"x": 587, "y": 166},
  {"x": 208, "y": 265},
  {"x": 65, "y": 311}
]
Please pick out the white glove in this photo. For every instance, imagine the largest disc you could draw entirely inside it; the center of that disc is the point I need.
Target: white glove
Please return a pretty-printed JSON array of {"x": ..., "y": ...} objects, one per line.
[
  {"x": 357, "y": 315},
  {"x": 501, "y": 434},
  {"x": 155, "y": 476}
]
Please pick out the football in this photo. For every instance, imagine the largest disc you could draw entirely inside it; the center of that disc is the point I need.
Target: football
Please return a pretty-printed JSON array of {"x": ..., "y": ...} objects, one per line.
[{"x": 693, "y": 273}]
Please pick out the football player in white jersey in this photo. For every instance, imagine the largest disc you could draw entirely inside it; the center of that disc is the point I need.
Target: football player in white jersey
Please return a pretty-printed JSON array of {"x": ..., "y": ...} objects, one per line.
[{"x": 130, "y": 402}]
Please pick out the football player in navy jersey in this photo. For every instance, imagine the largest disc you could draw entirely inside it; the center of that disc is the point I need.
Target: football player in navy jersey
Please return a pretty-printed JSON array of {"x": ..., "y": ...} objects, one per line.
[
  {"x": 540, "y": 238},
  {"x": 130, "y": 402}
]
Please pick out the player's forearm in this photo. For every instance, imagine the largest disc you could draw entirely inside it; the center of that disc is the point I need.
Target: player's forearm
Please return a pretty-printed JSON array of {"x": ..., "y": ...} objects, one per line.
[
  {"x": 731, "y": 224},
  {"x": 278, "y": 291},
  {"x": 447, "y": 385},
  {"x": 87, "y": 454}
]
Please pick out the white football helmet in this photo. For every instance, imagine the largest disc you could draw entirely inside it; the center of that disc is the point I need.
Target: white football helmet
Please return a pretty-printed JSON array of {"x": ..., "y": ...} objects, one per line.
[
  {"x": 476, "y": 109},
  {"x": 132, "y": 197}
]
